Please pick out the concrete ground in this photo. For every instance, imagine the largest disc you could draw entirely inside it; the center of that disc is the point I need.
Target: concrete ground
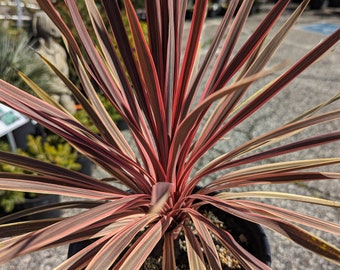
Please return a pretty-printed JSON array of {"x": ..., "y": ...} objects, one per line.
[{"x": 315, "y": 85}]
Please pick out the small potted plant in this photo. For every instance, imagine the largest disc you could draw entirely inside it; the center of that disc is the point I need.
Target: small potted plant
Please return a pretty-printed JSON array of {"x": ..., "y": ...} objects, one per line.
[{"x": 177, "y": 109}]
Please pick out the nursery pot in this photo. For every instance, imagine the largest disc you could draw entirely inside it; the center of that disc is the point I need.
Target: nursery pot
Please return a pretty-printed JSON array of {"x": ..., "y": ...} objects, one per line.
[
  {"x": 42, "y": 199},
  {"x": 39, "y": 200},
  {"x": 316, "y": 4},
  {"x": 248, "y": 234},
  {"x": 334, "y": 3},
  {"x": 86, "y": 165},
  {"x": 21, "y": 133}
]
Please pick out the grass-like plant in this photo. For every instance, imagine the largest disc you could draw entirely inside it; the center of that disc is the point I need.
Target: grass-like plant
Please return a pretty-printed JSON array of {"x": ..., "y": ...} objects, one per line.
[
  {"x": 15, "y": 54},
  {"x": 175, "y": 116}
]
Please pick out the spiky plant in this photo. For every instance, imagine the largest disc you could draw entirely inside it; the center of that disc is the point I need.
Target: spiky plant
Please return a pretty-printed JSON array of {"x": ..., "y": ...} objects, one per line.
[
  {"x": 175, "y": 117},
  {"x": 16, "y": 53}
]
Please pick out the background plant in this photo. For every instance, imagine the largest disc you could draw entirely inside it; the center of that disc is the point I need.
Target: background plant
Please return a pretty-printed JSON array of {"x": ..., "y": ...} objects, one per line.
[
  {"x": 154, "y": 85},
  {"x": 16, "y": 54},
  {"x": 52, "y": 149}
]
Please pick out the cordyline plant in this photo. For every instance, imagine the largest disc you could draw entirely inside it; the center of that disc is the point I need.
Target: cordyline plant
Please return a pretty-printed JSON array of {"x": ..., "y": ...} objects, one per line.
[{"x": 159, "y": 89}]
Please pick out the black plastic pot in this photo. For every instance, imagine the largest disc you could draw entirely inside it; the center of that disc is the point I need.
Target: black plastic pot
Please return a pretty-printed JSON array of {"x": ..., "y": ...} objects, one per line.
[
  {"x": 21, "y": 133},
  {"x": 86, "y": 165},
  {"x": 316, "y": 4},
  {"x": 40, "y": 200},
  {"x": 248, "y": 234},
  {"x": 334, "y": 3},
  {"x": 122, "y": 125}
]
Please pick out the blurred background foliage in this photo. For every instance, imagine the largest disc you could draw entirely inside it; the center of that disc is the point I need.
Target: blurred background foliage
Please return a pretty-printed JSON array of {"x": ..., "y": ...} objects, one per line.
[
  {"x": 17, "y": 54},
  {"x": 52, "y": 149}
]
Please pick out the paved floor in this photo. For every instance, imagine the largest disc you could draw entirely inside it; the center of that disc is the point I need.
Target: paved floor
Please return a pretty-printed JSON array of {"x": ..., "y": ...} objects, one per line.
[{"x": 316, "y": 84}]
